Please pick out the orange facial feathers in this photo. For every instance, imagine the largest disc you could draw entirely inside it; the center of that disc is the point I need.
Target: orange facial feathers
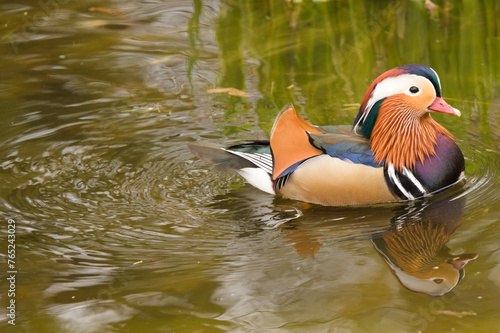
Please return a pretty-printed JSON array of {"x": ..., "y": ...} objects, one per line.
[
  {"x": 289, "y": 140},
  {"x": 394, "y": 128}
]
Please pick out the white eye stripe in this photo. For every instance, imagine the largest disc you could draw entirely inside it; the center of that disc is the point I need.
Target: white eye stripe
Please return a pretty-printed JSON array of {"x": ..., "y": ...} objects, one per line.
[{"x": 391, "y": 86}]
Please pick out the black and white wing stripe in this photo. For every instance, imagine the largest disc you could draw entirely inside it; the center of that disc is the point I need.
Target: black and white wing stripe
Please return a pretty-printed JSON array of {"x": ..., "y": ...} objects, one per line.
[
  {"x": 261, "y": 160},
  {"x": 261, "y": 175}
]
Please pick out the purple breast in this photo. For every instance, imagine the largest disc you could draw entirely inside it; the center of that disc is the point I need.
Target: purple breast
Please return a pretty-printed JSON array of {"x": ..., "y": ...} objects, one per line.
[{"x": 443, "y": 169}]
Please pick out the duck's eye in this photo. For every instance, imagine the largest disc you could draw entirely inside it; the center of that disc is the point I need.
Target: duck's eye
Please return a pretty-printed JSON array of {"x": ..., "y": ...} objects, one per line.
[
  {"x": 438, "y": 281},
  {"x": 414, "y": 90}
]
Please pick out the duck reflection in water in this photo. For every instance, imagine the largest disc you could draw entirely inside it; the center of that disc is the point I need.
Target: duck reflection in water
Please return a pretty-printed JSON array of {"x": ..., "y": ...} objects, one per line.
[
  {"x": 414, "y": 247},
  {"x": 411, "y": 238}
]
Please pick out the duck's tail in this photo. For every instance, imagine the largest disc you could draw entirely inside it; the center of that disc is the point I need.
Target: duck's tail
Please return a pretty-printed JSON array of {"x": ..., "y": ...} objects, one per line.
[{"x": 252, "y": 160}]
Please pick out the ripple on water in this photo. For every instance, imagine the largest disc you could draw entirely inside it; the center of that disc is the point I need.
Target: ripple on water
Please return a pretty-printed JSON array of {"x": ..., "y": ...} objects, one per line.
[
  {"x": 482, "y": 173},
  {"x": 120, "y": 184},
  {"x": 126, "y": 199},
  {"x": 103, "y": 209}
]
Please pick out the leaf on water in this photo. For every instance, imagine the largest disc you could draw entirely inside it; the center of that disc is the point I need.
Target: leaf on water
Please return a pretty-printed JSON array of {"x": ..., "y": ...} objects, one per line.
[{"x": 229, "y": 91}]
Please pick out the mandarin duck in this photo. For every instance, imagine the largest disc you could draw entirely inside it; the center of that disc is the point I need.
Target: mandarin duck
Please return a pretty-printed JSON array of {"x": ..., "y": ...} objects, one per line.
[{"x": 395, "y": 151}]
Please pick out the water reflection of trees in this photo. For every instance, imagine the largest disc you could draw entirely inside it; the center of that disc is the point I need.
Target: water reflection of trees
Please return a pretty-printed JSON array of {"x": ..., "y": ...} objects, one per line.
[{"x": 322, "y": 55}]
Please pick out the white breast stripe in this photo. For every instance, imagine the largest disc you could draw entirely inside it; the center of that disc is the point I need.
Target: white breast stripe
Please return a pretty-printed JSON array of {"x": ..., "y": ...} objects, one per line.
[
  {"x": 262, "y": 160},
  {"x": 414, "y": 180},
  {"x": 394, "y": 178}
]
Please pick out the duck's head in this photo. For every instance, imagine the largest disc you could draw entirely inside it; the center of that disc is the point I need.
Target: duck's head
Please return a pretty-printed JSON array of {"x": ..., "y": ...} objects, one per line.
[
  {"x": 397, "y": 107},
  {"x": 414, "y": 87},
  {"x": 437, "y": 280}
]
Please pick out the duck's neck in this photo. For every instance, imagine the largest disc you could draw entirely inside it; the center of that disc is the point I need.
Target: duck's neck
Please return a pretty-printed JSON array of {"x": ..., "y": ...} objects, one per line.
[{"x": 403, "y": 137}]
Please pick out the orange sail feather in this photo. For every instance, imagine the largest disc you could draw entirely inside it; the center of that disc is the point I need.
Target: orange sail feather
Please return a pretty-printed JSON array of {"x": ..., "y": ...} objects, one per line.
[{"x": 290, "y": 141}]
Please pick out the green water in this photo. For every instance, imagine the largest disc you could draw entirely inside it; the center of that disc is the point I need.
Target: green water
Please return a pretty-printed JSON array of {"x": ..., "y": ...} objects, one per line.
[{"x": 118, "y": 228}]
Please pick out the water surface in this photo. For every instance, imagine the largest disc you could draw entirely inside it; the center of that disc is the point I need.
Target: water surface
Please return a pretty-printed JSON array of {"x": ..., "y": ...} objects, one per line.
[{"x": 120, "y": 229}]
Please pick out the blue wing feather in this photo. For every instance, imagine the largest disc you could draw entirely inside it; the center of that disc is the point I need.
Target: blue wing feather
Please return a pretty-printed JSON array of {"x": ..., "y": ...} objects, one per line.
[{"x": 345, "y": 145}]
